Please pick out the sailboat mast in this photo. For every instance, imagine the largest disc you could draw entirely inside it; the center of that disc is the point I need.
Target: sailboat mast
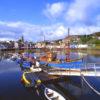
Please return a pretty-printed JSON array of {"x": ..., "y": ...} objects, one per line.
[
  {"x": 68, "y": 47},
  {"x": 43, "y": 36}
]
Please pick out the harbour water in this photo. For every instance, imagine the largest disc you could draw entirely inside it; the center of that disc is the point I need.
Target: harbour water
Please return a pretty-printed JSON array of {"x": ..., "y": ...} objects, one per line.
[{"x": 11, "y": 87}]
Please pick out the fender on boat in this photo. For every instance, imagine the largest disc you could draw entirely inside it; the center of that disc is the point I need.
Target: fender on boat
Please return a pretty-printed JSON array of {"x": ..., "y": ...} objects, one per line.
[{"x": 27, "y": 83}]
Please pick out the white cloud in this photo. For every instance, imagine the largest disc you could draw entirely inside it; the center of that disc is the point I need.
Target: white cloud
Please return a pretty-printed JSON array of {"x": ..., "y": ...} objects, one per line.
[
  {"x": 55, "y": 31},
  {"x": 14, "y": 30},
  {"x": 82, "y": 11},
  {"x": 54, "y": 10},
  {"x": 85, "y": 30},
  {"x": 77, "y": 12},
  {"x": 37, "y": 32},
  {"x": 60, "y": 30}
]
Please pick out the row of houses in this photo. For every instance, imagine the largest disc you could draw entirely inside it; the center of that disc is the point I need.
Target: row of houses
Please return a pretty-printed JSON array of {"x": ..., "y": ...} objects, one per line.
[{"x": 73, "y": 41}]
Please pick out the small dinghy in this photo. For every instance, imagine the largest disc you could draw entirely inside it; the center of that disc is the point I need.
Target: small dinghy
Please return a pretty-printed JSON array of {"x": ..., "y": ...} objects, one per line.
[{"x": 52, "y": 94}]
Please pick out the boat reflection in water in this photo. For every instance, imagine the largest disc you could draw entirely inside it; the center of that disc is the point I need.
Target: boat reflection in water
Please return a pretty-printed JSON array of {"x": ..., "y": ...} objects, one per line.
[{"x": 75, "y": 87}]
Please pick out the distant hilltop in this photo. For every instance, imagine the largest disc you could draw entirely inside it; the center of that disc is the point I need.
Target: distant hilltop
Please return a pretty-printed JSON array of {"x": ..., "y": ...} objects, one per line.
[
  {"x": 96, "y": 33},
  {"x": 93, "y": 38}
]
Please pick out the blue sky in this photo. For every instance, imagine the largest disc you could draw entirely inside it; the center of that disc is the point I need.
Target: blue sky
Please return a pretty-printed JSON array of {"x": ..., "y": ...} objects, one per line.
[
  {"x": 35, "y": 18},
  {"x": 21, "y": 10}
]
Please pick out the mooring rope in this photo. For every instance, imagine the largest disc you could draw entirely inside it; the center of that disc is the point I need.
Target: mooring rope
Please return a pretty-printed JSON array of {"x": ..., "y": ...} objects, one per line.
[{"x": 97, "y": 92}]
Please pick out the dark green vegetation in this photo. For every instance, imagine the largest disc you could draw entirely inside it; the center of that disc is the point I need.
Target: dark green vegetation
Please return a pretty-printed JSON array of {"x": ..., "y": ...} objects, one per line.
[{"x": 90, "y": 39}]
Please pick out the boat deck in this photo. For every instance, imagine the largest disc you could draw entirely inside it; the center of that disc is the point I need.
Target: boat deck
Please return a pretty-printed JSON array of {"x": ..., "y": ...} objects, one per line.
[
  {"x": 44, "y": 77},
  {"x": 75, "y": 73},
  {"x": 90, "y": 69}
]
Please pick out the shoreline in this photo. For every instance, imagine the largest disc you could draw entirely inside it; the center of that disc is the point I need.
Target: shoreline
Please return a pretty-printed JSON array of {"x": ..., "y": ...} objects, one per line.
[{"x": 93, "y": 51}]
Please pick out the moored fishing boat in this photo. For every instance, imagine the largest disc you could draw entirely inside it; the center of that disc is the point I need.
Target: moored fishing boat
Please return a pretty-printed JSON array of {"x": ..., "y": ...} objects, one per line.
[
  {"x": 76, "y": 64},
  {"x": 51, "y": 94},
  {"x": 63, "y": 59}
]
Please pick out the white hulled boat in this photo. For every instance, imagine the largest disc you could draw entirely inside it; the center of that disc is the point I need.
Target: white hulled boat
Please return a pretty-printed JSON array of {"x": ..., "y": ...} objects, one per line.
[{"x": 51, "y": 94}]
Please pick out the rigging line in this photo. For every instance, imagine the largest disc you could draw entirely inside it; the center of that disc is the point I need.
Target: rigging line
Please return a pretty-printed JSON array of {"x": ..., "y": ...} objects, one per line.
[{"x": 97, "y": 92}]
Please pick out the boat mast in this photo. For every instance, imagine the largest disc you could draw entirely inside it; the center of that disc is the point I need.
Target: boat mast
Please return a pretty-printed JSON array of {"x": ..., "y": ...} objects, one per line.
[
  {"x": 44, "y": 41},
  {"x": 68, "y": 47}
]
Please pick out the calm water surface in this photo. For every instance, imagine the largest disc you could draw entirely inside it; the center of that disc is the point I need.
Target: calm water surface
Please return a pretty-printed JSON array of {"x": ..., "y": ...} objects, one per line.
[
  {"x": 10, "y": 84},
  {"x": 11, "y": 87}
]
